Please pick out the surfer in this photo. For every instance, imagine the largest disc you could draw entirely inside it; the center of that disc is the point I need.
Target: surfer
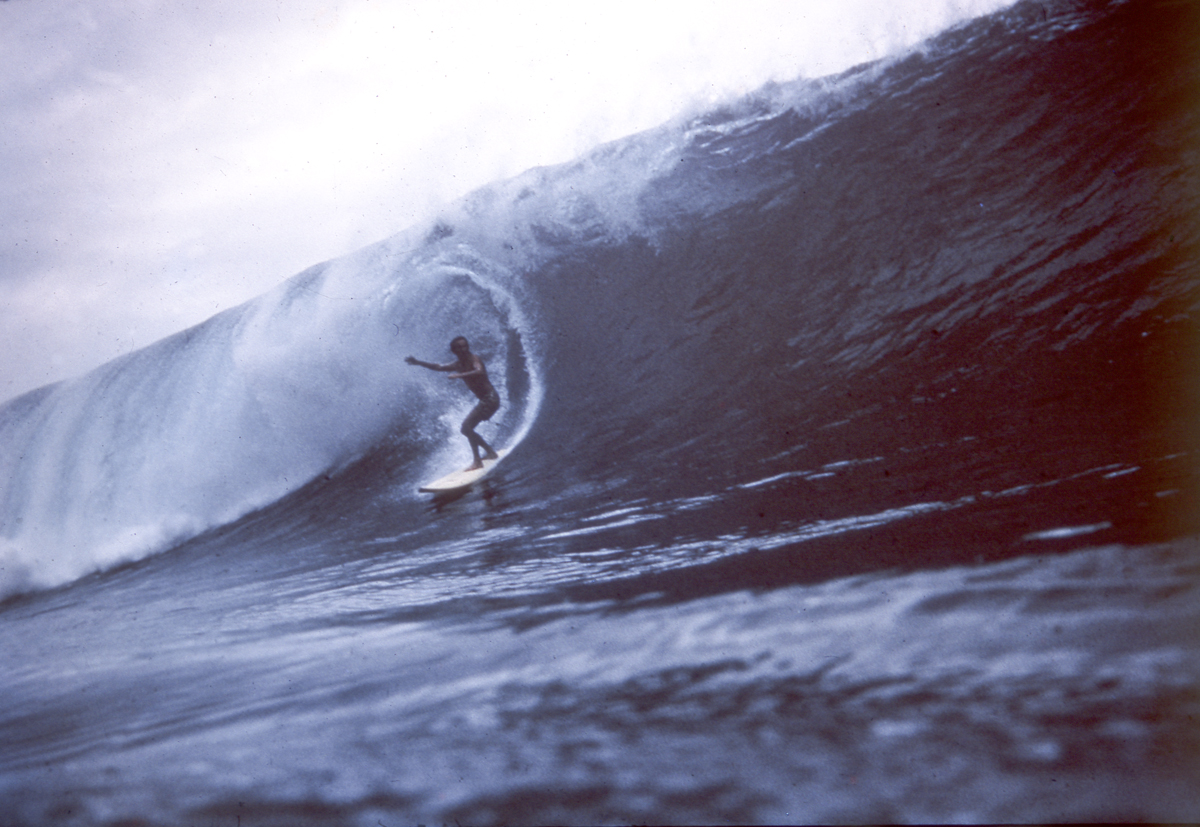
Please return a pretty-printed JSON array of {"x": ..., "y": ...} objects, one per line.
[{"x": 471, "y": 370}]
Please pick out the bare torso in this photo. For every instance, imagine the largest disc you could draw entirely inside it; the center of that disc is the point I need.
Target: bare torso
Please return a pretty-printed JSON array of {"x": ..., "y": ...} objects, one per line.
[{"x": 473, "y": 372}]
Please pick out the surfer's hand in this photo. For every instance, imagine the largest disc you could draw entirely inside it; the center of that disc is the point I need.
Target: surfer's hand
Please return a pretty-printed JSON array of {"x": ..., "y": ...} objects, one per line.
[{"x": 412, "y": 360}]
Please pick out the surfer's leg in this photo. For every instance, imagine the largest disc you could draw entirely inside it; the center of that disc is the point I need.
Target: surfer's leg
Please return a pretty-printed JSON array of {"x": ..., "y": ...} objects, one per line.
[
  {"x": 477, "y": 442},
  {"x": 479, "y": 413},
  {"x": 468, "y": 431}
]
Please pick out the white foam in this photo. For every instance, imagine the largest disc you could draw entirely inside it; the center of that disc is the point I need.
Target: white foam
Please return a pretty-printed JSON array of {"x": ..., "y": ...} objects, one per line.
[{"x": 1068, "y": 531}]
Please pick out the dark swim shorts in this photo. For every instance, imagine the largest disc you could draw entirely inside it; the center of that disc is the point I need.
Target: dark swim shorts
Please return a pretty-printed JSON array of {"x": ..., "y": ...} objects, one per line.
[{"x": 484, "y": 410}]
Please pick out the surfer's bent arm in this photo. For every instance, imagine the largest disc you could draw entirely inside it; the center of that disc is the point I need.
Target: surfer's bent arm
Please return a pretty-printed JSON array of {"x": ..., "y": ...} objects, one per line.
[
  {"x": 477, "y": 369},
  {"x": 412, "y": 360}
]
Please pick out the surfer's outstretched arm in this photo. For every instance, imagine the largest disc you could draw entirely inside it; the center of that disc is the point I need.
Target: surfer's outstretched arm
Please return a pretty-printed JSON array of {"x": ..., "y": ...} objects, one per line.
[{"x": 413, "y": 360}]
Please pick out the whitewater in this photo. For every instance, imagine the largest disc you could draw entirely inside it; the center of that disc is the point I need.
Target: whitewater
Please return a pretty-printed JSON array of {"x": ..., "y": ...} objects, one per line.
[{"x": 853, "y": 477}]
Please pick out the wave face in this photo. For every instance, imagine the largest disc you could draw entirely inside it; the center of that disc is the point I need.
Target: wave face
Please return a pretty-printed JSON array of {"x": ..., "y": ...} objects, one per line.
[
  {"x": 946, "y": 241},
  {"x": 227, "y": 417},
  {"x": 831, "y": 402}
]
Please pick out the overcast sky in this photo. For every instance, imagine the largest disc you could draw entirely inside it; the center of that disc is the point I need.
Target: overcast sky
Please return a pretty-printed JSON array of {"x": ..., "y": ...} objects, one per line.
[{"x": 161, "y": 160}]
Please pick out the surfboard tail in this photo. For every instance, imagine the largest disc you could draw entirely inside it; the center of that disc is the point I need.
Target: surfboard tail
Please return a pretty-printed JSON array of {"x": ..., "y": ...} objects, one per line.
[{"x": 459, "y": 480}]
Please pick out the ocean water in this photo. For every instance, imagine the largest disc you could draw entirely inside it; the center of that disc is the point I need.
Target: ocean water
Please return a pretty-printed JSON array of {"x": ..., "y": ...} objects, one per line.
[{"x": 853, "y": 478}]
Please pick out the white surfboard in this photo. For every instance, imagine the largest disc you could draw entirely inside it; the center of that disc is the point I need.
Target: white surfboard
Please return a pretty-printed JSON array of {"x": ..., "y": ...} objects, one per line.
[{"x": 462, "y": 479}]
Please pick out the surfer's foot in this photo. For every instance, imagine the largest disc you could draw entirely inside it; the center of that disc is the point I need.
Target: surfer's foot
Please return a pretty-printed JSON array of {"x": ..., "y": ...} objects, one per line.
[{"x": 475, "y": 466}]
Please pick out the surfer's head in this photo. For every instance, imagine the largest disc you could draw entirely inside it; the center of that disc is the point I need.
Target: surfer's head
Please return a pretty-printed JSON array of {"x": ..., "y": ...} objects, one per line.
[{"x": 460, "y": 345}]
